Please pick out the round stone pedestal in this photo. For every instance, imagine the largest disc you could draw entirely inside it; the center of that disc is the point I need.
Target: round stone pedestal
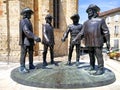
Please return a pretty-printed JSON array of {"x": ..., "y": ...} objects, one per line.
[{"x": 63, "y": 76}]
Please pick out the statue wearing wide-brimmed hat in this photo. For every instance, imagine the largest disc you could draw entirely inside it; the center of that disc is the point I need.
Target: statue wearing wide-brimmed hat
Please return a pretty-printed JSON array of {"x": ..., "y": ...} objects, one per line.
[
  {"x": 95, "y": 31},
  {"x": 92, "y": 6},
  {"x": 75, "y": 16},
  {"x": 26, "y": 40},
  {"x": 73, "y": 29},
  {"x": 26, "y": 10}
]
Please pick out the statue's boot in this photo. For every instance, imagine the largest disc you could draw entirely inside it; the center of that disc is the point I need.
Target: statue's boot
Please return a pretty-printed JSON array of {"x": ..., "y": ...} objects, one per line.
[
  {"x": 44, "y": 60},
  {"x": 99, "y": 72},
  {"x": 45, "y": 63},
  {"x": 23, "y": 70},
  {"x": 52, "y": 57},
  {"x": 31, "y": 66},
  {"x": 77, "y": 62},
  {"x": 69, "y": 62},
  {"x": 92, "y": 67}
]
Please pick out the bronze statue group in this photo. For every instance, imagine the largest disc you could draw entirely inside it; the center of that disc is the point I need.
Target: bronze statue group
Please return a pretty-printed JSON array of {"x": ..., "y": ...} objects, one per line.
[{"x": 94, "y": 31}]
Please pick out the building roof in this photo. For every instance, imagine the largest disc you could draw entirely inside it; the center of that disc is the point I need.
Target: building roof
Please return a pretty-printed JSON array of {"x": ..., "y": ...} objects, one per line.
[{"x": 109, "y": 12}]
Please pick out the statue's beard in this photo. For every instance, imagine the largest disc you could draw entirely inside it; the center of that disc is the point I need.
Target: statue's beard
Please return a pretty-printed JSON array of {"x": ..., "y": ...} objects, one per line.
[{"x": 92, "y": 15}]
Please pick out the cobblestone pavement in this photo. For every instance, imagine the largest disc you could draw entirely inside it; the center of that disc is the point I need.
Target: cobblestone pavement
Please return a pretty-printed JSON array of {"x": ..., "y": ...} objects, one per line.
[{"x": 6, "y": 83}]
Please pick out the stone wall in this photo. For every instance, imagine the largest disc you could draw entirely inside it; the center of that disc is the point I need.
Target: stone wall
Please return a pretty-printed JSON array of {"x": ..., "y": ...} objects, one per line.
[
  {"x": 14, "y": 17},
  {"x": 43, "y": 10},
  {"x": 46, "y": 7},
  {"x": 60, "y": 47},
  {"x": 3, "y": 31},
  {"x": 65, "y": 13},
  {"x": 9, "y": 25}
]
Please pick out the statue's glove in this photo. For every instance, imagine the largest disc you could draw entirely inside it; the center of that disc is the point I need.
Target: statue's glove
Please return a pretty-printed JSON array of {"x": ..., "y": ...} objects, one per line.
[{"x": 37, "y": 39}]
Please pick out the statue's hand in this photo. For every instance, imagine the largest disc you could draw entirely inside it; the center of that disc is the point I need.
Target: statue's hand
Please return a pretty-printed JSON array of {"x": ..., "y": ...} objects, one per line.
[
  {"x": 63, "y": 40},
  {"x": 48, "y": 42},
  {"x": 37, "y": 39}
]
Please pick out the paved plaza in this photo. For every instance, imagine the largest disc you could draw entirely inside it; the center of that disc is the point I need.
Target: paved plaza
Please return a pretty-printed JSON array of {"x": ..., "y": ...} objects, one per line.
[{"x": 6, "y": 83}]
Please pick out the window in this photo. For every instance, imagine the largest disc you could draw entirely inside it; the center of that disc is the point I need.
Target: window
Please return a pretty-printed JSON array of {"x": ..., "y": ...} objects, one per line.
[
  {"x": 108, "y": 19},
  {"x": 56, "y": 7},
  {"x": 116, "y": 43},
  {"x": 116, "y": 18},
  {"x": 116, "y": 30}
]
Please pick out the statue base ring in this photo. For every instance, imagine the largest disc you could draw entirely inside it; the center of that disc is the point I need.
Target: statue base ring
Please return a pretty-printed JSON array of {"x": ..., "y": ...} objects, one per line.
[{"x": 63, "y": 76}]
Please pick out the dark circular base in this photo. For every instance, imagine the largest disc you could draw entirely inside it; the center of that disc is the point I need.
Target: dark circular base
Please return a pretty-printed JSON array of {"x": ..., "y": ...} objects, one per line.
[{"x": 63, "y": 76}]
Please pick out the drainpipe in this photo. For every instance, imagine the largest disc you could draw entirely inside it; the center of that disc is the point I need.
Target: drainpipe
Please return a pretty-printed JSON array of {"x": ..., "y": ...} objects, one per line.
[{"x": 8, "y": 30}]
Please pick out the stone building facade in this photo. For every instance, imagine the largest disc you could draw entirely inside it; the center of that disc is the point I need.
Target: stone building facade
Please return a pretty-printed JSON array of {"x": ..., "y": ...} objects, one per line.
[
  {"x": 9, "y": 24},
  {"x": 112, "y": 18}
]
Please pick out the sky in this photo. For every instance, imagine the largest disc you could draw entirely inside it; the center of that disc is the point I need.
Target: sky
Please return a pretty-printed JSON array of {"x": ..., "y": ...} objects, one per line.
[{"x": 103, "y": 4}]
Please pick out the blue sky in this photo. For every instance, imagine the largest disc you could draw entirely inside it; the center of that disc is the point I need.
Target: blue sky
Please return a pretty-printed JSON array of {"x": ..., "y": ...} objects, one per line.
[{"x": 103, "y": 4}]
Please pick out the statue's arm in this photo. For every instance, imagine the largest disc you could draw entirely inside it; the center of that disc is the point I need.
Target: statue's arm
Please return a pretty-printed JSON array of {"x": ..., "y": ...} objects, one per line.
[
  {"x": 27, "y": 32},
  {"x": 106, "y": 33},
  {"x": 65, "y": 35},
  {"x": 45, "y": 34},
  {"x": 30, "y": 34}
]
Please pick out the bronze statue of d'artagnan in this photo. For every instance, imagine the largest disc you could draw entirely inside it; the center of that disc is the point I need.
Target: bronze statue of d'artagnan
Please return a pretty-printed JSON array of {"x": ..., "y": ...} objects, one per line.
[
  {"x": 73, "y": 29},
  {"x": 27, "y": 39},
  {"x": 48, "y": 40},
  {"x": 95, "y": 31}
]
